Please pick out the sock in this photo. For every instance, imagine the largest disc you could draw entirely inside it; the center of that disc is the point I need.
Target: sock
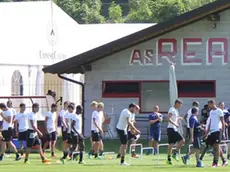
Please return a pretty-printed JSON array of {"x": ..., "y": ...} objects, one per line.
[
  {"x": 81, "y": 157},
  {"x": 176, "y": 152},
  {"x": 65, "y": 155},
  {"x": 122, "y": 159},
  {"x": 96, "y": 155},
  {"x": 93, "y": 153},
  {"x": 215, "y": 162},
  {"x": 43, "y": 158},
  {"x": 101, "y": 152},
  {"x": 133, "y": 152},
  {"x": 25, "y": 160},
  {"x": 169, "y": 158},
  {"x": 17, "y": 155},
  {"x": 223, "y": 159}
]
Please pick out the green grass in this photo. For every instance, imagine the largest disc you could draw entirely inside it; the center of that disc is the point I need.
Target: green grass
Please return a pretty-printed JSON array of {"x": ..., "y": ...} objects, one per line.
[{"x": 148, "y": 164}]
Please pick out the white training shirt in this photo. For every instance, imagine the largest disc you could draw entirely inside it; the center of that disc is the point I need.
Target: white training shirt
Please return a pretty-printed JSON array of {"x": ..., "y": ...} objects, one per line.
[
  {"x": 78, "y": 123},
  {"x": 96, "y": 116},
  {"x": 122, "y": 122},
  {"x": 62, "y": 114},
  {"x": 22, "y": 119},
  {"x": 68, "y": 117},
  {"x": 174, "y": 118},
  {"x": 215, "y": 119},
  {"x": 14, "y": 114},
  {"x": 6, "y": 125},
  {"x": 32, "y": 117},
  {"x": 101, "y": 117},
  {"x": 51, "y": 119}
]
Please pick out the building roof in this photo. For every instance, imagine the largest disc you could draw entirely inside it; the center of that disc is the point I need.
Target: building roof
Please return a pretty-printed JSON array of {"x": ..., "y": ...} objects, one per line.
[{"x": 74, "y": 64}]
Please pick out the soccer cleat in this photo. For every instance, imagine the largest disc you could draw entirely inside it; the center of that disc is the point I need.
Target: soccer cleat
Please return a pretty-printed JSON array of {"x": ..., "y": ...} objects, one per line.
[
  {"x": 199, "y": 164},
  {"x": 62, "y": 160},
  {"x": 53, "y": 156},
  {"x": 124, "y": 164},
  {"x": 81, "y": 162},
  {"x": 27, "y": 162},
  {"x": 225, "y": 163},
  {"x": 169, "y": 162},
  {"x": 214, "y": 165},
  {"x": 1, "y": 158},
  {"x": 184, "y": 159},
  {"x": 98, "y": 158},
  {"x": 46, "y": 161},
  {"x": 148, "y": 153},
  {"x": 18, "y": 158},
  {"x": 175, "y": 156}
]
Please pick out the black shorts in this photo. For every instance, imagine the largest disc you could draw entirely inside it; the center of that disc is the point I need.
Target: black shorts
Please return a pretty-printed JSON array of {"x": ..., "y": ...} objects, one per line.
[
  {"x": 214, "y": 138},
  {"x": 123, "y": 136},
  {"x": 197, "y": 142},
  {"x": 7, "y": 135},
  {"x": 52, "y": 136},
  {"x": 69, "y": 138},
  {"x": 173, "y": 136},
  {"x": 64, "y": 134},
  {"x": 96, "y": 136},
  {"x": 131, "y": 136},
  {"x": 32, "y": 139},
  {"x": 22, "y": 136},
  {"x": 76, "y": 140}
]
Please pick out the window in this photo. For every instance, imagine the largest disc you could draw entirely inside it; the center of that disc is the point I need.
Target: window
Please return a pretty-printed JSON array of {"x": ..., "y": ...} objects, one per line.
[
  {"x": 154, "y": 93},
  {"x": 196, "y": 88},
  {"x": 16, "y": 84},
  {"x": 116, "y": 89}
]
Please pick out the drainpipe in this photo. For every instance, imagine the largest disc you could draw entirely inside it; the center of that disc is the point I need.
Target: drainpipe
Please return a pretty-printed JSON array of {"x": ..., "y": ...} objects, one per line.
[{"x": 82, "y": 96}]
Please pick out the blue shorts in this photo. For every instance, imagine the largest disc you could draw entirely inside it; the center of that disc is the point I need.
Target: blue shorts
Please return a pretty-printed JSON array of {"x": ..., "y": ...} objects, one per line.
[{"x": 155, "y": 134}]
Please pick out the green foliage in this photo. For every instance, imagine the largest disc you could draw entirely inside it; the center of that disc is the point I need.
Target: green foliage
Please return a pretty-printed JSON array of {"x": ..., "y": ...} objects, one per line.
[
  {"x": 115, "y": 13},
  {"x": 83, "y": 11}
]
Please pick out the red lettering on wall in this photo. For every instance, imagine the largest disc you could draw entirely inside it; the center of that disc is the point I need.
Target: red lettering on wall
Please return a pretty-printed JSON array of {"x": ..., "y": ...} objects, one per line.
[
  {"x": 149, "y": 57},
  {"x": 170, "y": 55},
  {"x": 136, "y": 57},
  {"x": 189, "y": 57},
  {"x": 222, "y": 43}
]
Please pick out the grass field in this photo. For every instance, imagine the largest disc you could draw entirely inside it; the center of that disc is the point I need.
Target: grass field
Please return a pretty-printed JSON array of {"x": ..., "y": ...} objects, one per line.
[{"x": 148, "y": 164}]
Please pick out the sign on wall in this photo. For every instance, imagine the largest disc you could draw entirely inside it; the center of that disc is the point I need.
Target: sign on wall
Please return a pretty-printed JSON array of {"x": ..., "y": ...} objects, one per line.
[{"x": 167, "y": 48}]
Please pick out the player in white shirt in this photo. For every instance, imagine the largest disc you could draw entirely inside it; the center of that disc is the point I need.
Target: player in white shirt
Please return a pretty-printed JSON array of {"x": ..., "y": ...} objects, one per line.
[
  {"x": 32, "y": 135},
  {"x": 7, "y": 133},
  {"x": 96, "y": 128},
  {"x": 174, "y": 136},
  {"x": 51, "y": 127},
  {"x": 78, "y": 138},
  {"x": 93, "y": 106},
  {"x": 216, "y": 116},
  {"x": 122, "y": 127},
  {"x": 101, "y": 121},
  {"x": 21, "y": 120},
  {"x": 63, "y": 124},
  {"x": 68, "y": 118}
]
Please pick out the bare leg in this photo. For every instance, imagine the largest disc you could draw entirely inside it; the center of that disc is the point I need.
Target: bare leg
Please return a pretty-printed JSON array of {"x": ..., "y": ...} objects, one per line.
[
  {"x": 123, "y": 152},
  {"x": 170, "y": 152}
]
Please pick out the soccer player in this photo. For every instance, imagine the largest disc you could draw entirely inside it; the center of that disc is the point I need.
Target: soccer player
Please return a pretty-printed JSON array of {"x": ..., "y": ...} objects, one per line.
[
  {"x": 51, "y": 127},
  {"x": 122, "y": 126},
  {"x": 155, "y": 120},
  {"x": 131, "y": 133},
  {"x": 216, "y": 116},
  {"x": 63, "y": 123},
  {"x": 187, "y": 117},
  {"x": 68, "y": 118},
  {"x": 21, "y": 120},
  {"x": 7, "y": 133},
  {"x": 93, "y": 105},
  {"x": 195, "y": 137},
  {"x": 97, "y": 131},
  {"x": 32, "y": 135},
  {"x": 78, "y": 139},
  {"x": 172, "y": 131},
  {"x": 101, "y": 121}
]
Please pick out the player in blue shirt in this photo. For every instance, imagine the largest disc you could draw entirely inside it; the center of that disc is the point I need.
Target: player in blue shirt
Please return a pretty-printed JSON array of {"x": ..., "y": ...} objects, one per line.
[
  {"x": 155, "y": 119},
  {"x": 195, "y": 139}
]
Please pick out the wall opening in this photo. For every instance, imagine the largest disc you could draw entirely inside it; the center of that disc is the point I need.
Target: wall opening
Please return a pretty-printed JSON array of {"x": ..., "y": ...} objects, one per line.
[{"x": 17, "y": 84}]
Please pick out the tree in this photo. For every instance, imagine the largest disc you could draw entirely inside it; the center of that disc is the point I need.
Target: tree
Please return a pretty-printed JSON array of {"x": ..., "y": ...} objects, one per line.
[
  {"x": 83, "y": 11},
  {"x": 115, "y": 13}
]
